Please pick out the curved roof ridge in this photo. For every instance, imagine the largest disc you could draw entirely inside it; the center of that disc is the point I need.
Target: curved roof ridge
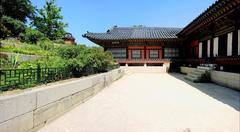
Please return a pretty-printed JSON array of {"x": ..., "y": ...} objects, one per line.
[{"x": 123, "y": 33}]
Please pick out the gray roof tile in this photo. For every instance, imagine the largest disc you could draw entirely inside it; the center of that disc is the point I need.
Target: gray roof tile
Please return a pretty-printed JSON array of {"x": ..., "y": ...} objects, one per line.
[{"x": 125, "y": 33}]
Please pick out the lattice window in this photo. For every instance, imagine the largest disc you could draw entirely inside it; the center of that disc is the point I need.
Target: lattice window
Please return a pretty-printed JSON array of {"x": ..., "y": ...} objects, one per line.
[
  {"x": 136, "y": 54},
  {"x": 153, "y": 54},
  {"x": 171, "y": 52},
  {"x": 118, "y": 53}
]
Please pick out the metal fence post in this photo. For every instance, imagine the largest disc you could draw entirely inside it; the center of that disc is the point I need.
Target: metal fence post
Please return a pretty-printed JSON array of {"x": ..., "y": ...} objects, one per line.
[{"x": 38, "y": 73}]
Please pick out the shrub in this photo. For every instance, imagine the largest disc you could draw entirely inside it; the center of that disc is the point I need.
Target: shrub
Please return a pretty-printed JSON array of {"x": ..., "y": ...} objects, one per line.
[
  {"x": 31, "y": 35},
  {"x": 95, "y": 60},
  {"x": 70, "y": 52},
  {"x": 4, "y": 31},
  {"x": 46, "y": 44},
  {"x": 4, "y": 63},
  {"x": 46, "y": 62},
  {"x": 11, "y": 27},
  {"x": 81, "y": 60},
  {"x": 59, "y": 41}
]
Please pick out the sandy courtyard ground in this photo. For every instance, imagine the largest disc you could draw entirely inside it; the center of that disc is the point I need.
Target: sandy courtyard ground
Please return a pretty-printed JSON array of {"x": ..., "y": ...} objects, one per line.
[{"x": 148, "y": 102}]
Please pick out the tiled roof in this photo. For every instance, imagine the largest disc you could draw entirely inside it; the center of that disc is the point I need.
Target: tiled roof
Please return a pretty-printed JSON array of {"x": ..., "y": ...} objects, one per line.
[
  {"x": 125, "y": 33},
  {"x": 216, "y": 10}
]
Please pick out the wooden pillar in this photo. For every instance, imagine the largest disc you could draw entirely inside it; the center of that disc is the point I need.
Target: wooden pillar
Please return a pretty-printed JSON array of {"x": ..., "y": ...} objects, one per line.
[
  {"x": 129, "y": 54},
  {"x": 142, "y": 53},
  {"x": 235, "y": 46},
  {"x": 160, "y": 54},
  {"x": 147, "y": 53},
  {"x": 238, "y": 42}
]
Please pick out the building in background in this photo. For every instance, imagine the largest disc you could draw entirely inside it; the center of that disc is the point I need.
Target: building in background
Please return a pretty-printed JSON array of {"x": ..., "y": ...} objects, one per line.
[
  {"x": 212, "y": 38},
  {"x": 69, "y": 39},
  {"x": 140, "y": 45}
]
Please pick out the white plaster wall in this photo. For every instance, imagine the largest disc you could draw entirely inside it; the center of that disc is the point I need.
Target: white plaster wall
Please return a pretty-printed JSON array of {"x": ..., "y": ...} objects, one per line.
[
  {"x": 208, "y": 48},
  {"x": 229, "y": 44},
  {"x": 200, "y": 50},
  {"x": 238, "y": 42},
  {"x": 215, "y": 47}
]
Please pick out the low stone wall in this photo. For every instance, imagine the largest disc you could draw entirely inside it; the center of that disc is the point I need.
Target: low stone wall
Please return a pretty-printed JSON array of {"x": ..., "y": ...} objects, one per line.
[
  {"x": 30, "y": 110},
  {"x": 231, "y": 80},
  {"x": 21, "y": 57},
  {"x": 227, "y": 79},
  {"x": 146, "y": 69},
  {"x": 186, "y": 70}
]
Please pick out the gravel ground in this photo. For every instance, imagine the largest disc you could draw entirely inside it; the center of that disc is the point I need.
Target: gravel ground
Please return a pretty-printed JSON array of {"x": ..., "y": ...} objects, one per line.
[{"x": 148, "y": 102}]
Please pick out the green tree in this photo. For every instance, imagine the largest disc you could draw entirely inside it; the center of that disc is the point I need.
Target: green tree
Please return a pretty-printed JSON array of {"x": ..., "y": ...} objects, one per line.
[
  {"x": 10, "y": 27},
  {"x": 49, "y": 21},
  {"x": 17, "y": 9},
  {"x": 31, "y": 35}
]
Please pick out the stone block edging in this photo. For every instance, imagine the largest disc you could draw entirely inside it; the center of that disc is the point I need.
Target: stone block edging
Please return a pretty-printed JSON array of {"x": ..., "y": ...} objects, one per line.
[{"x": 30, "y": 110}]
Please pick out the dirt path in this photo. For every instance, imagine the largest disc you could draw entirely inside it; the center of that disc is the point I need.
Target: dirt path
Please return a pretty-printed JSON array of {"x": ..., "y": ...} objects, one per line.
[{"x": 147, "y": 102}]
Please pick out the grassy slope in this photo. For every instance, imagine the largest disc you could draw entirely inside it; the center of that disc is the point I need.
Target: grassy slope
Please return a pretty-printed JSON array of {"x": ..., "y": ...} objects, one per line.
[{"x": 15, "y": 46}]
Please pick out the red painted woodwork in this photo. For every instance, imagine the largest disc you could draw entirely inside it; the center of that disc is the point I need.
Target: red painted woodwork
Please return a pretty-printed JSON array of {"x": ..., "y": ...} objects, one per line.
[
  {"x": 194, "y": 49},
  {"x": 129, "y": 54},
  {"x": 142, "y": 61},
  {"x": 147, "y": 54},
  {"x": 142, "y": 53},
  {"x": 153, "y": 47},
  {"x": 194, "y": 43},
  {"x": 160, "y": 54},
  {"x": 135, "y": 47}
]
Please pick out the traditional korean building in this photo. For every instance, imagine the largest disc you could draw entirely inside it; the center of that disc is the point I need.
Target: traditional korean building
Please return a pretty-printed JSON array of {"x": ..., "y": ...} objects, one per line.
[
  {"x": 212, "y": 38},
  {"x": 69, "y": 39},
  {"x": 140, "y": 45}
]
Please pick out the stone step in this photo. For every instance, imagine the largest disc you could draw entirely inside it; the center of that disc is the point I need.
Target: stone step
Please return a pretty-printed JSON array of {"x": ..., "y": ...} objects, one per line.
[
  {"x": 206, "y": 68},
  {"x": 195, "y": 80},
  {"x": 197, "y": 73},
  {"x": 201, "y": 70},
  {"x": 197, "y": 76}
]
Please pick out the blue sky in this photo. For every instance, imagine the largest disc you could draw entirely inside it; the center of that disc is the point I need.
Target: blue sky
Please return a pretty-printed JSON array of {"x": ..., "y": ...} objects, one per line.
[{"x": 101, "y": 15}]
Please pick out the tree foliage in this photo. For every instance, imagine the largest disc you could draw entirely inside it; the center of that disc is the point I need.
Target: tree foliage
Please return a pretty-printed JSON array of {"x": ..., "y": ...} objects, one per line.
[
  {"x": 10, "y": 27},
  {"x": 17, "y": 9},
  {"x": 31, "y": 36},
  {"x": 49, "y": 21},
  {"x": 86, "y": 60}
]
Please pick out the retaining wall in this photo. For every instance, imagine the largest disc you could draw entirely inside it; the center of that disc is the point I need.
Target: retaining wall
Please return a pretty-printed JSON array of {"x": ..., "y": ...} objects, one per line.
[
  {"x": 145, "y": 69},
  {"x": 227, "y": 79},
  {"x": 21, "y": 57},
  {"x": 186, "y": 70},
  {"x": 231, "y": 80},
  {"x": 30, "y": 110}
]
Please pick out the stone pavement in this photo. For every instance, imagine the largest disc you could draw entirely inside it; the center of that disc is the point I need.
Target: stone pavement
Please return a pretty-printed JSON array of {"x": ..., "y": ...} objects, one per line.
[{"x": 148, "y": 102}]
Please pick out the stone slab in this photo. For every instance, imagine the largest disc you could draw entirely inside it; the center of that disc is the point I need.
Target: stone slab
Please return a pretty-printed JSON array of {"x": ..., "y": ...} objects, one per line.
[
  {"x": 15, "y": 105},
  {"x": 21, "y": 123}
]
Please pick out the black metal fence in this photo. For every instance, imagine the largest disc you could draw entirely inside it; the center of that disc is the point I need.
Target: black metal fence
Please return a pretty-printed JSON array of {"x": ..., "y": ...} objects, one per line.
[{"x": 21, "y": 78}]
